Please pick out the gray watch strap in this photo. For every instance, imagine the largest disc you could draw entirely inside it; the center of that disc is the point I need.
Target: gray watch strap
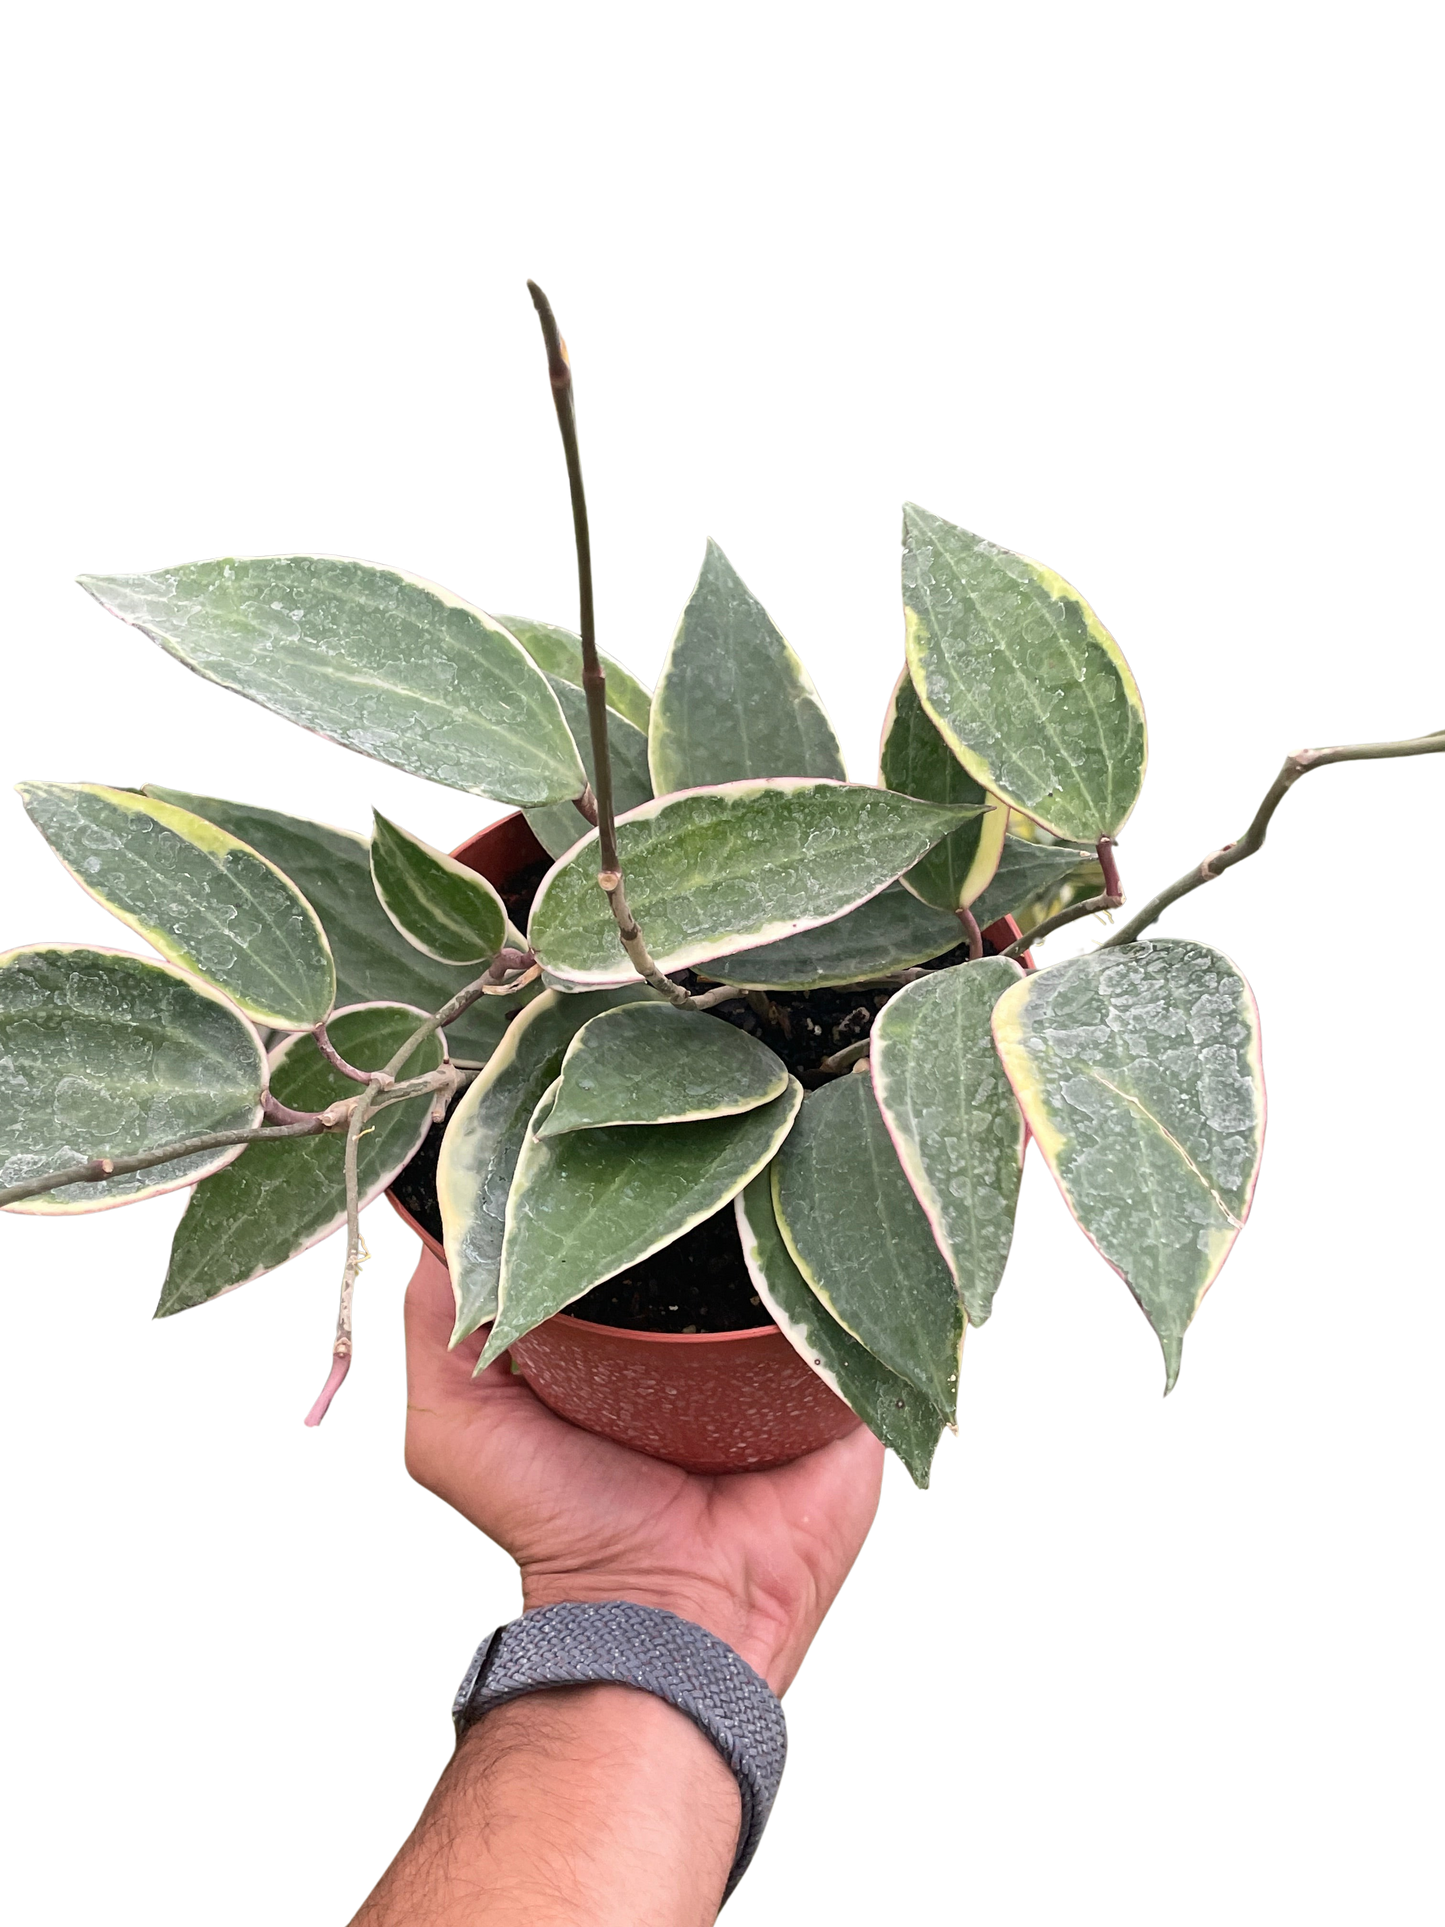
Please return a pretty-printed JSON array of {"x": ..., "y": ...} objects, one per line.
[{"x": 624, "y": 1644}]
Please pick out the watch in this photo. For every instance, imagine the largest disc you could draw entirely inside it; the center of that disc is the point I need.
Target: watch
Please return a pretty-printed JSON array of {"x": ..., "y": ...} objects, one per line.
[{"x": 616, "y": 1642}]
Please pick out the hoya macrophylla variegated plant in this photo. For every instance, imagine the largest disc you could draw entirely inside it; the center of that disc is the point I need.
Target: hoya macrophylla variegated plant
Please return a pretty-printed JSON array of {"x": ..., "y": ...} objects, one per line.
[{"x": 749, "y": 998}]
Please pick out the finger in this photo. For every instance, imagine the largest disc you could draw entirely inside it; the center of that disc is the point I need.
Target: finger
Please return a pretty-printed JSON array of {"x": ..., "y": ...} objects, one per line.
[{"x": 436, "y": 1375}]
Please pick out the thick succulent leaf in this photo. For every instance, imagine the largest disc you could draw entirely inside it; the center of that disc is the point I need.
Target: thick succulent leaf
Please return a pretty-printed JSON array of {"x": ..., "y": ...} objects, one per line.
[
  {"x": 283, "y": 1195},
  {"x": 559, "y": 825},
  {"x": 652, "y": 1064},
  {"x": 203, "y": 899},
  {"x": 587, "y": 1205},
  {"x": 440, "y": 906},
  {"x": 733, "y": 701},
  {"x": 1029, "y": 689},
  {"x": 953, "y": 1119},
  {"x": 916, "y": 760},
  {"x": 380, "y": 661},
  {"x": 713, "y": 871},
  {"x": 558, "y": 654},
  {"x": 891, "y": 1408},
  {"x": 105, "y": 1055},
  {"x": 859, "y": 1237},
  {"x": 479, "y": 1151},
  {"x": 1031, "y": 874},
  {"x": 892, "y": 931},
  {"x": 374, "y": 962},
  {"x": 1138, "y": 1072}
]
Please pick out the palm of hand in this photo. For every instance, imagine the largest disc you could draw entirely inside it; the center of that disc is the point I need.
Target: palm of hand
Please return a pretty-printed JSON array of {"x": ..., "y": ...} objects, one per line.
[{"x": 756, "y": 1556}]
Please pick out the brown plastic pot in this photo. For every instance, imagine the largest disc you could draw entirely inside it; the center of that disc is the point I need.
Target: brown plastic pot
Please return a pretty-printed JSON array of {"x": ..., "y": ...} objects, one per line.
[{"x": 707, "y": 1401}]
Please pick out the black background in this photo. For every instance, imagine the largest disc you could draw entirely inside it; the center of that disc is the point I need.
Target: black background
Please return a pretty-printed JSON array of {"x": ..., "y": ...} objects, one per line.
[{"x": 1114, "y": 1617}]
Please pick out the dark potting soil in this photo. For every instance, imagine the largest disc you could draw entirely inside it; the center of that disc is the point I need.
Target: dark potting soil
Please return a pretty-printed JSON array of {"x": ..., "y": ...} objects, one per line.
[{"x": 699, "y": 1283}]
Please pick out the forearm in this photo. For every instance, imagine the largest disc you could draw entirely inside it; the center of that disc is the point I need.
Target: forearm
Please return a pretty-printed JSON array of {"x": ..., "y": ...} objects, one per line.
[{"x": 595, "y": 1805}]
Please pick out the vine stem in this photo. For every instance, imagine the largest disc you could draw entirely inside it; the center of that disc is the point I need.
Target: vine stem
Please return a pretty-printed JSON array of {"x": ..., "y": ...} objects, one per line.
[
  {"x": 341, "y": 1347},
  {"x": 594, "y": 680},
  {"x": 334, "y": 1058},
  {"x": 300, "y": 1124},
  {"x": 971, "y": 931},
  {"x": 1110, "y": 898},
  {"x": 1299, "y": 764}
]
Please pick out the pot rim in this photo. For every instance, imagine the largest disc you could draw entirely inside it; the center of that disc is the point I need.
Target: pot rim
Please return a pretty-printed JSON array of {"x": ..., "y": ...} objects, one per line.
[{"x": 586, "y": 1324}]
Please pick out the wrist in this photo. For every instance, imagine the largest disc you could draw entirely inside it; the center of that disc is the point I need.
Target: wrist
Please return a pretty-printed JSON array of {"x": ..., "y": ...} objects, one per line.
[{"x": 769, "y": 1638}]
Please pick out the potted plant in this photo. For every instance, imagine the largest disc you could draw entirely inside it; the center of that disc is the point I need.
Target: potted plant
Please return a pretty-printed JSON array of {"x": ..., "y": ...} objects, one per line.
[{"x": 710, "y": 1072}]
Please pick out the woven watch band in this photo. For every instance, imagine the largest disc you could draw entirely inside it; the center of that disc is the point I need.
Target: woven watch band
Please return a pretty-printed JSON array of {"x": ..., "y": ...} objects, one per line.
[{"x": 619, "y": 1643}]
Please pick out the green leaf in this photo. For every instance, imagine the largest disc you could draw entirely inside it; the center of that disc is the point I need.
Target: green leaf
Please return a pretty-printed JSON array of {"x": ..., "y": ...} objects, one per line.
[
  {"x": 379, "y": 661},
  {"x": 374, "y": 962},
  {"x": 733, "y": 701},
  {"x": 558, "y": 654},
  {"x": 1025, "y": 683},
  {"x": 105, "y": 1055},
  {"x": 440, "y": 906},
  {"x": 891, "y": 1408},
  {"x": 651, "y": 1064},
  {"x": 916, "y": 760},
  {"x": 482, "y": 1142},
  {"x": 560, "y": 825},
  {"x": 952, "y": 1117},
  {"x": 281, "y": 1196},
  {"x": 589, "y": 1204},
  {"x": 860, "y": 1239},
  {"x": 891, "y": 931},
  {"x": 203, "y": 899},
  {"x": 1138, "y": 1073},
  {"x": 713, "y": 871},
  {"x": 1031, "y": 874}
]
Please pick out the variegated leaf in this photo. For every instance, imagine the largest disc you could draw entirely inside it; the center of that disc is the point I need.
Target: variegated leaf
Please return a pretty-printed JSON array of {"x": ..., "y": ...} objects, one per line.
[
  {"x": 587, "y": 1205},
  {"x": 892, "y": 931},
  {"x": 332, "y": 869},
  {"x": 1027, "y": 687},
  {"x": 915, "y": 759},
  {"x": 440, "y": 906},
  {"x": 285, "y": 1194},
  {"x": 1032, "y": 876},
  {"x": 202, "y": 898},
  {"x": 651, "y": 1064},
  {"x": 106, "y": 1055},
  {"x": 733, "y": 701},
  {"x": 891, "y": 1408},
  {"x": 860, "y": 1239},
  {"x": 483, "y": 1139},
  {"x": 383, "y": 662},
  {"x": 952, "y": 1117},
  {"x": 713, "y": 871},
  {"x": 1138, "y": 1071},
  {"x": 558, "y": 654}
]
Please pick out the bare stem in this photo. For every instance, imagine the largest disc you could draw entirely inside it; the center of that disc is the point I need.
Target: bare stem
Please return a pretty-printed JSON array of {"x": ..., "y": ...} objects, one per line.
[
  {"x": 632, "y": 943},
  {"x": 1292, "y": 769},
  {"x": 850, "y": 1054},
  {"x": 335, "y": 1059},
  {"x": 971, "y": 931},
  {"x": 341, "y": 1347},
  {"x": 1108, "y": 904},
  {"x": 505, "y": 960},
  {"x": 275, "y": 1112},
  {"x": 340, "y": 1366},
  {"x": 586, "y": 804},
  {"x": 594, "y": 682},
  {"x": 302, "y": 1124},
  {"x": 94, "y": 1170},
  {"x": 724, "y": 994}
]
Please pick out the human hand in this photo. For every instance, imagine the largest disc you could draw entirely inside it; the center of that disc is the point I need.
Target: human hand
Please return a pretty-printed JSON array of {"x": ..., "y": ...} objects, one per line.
[{"x": 756, "y": 1557}]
